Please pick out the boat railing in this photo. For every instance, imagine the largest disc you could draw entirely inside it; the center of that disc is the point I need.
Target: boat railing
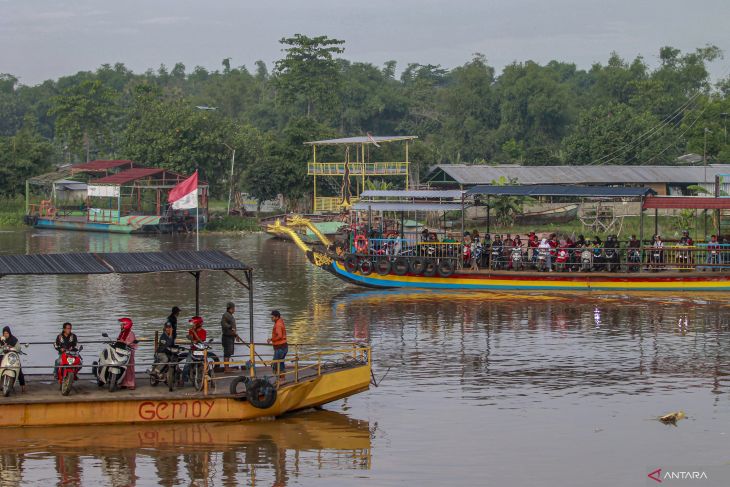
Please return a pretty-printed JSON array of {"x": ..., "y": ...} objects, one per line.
[
  {"x": 101, "y": 215},
  {"x": 405, "y": 247},
  {"x": 299, "y": 364}
]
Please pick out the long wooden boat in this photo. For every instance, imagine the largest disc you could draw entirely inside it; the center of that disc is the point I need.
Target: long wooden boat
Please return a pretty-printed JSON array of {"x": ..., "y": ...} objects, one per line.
[{"x": 563, "y": 214}]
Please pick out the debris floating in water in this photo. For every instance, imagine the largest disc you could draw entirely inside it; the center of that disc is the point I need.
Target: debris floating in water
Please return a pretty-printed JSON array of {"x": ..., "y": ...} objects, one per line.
[{"x": 672, "y": 418}]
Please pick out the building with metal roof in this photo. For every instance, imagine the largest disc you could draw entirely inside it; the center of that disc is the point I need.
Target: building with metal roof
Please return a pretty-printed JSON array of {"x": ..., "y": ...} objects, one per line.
[
  {"x": 662, "y": 179},
  {"x": 102, "y": 166}
]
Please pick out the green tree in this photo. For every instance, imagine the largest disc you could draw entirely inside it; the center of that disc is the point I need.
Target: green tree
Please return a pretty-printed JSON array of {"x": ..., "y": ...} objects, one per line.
[
  {"x": 307, "y": 76},
  {"x": 86, "y": 115},
  {"x": 22, "y": 156}
]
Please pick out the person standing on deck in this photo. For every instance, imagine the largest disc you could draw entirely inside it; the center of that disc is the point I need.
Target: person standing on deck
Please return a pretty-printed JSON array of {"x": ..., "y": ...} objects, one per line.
[
  {"x": 126, "y": 335},
  {"x": 229, "y": 334},
  {"x": 278, "y": 340},
  {"x": 7, "y": 338},
  {"x": 172, "y": 320}
]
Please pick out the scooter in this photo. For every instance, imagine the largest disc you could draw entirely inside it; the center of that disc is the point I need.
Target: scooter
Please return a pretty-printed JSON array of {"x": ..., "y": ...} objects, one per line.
[
  {"x": 496, "y": 258},
  {"x": 68, "y": 369},
  {"x": 9, "y": 367},
  {"x": 561, "y": 260},
  {"x": 634, "y": 259},
  {"x": 113, "y": 362},
  {"x": 170, "y": 372},
  {"x": 197, "y": 368},
  {"x": 586, "y": 260},
  {"x": 542, "y": 259},
  {"x": 611, "y": 259}
]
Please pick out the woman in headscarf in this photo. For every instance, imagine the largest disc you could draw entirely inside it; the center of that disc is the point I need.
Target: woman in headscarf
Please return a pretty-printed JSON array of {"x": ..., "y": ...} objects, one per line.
[
  {"x": 126, "y": 335},
  {"x": 11, "y": 340}
]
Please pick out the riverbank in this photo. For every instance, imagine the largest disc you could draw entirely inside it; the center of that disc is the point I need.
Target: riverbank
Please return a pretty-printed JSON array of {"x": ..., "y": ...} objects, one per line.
[{"x": 12, "y": 211}]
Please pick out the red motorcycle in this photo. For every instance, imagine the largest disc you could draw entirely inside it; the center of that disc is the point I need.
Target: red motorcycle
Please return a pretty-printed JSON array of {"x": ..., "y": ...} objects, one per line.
[{"x": 68, "y": 369}]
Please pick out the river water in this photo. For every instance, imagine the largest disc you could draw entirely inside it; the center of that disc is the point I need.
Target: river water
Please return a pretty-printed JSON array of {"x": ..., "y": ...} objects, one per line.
[{"x": 481, "y": 388}]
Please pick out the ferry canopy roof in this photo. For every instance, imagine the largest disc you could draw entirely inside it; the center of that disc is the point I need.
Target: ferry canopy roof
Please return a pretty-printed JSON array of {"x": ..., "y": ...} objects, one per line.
[
  {"x": 131, "y": 175},
  {"x": 561, "y": 190},
  {"x": 119, "y": 263},
  {"x": 362, "y": 140},
  {"x": 405, "y": 206},
  {"x": 100, "y": 166}
]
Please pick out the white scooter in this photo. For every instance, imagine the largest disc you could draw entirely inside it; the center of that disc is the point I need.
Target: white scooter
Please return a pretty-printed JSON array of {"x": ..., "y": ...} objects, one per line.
[
  {"x": 9, "y": 367},
  {"x": 112, "y": 364}
]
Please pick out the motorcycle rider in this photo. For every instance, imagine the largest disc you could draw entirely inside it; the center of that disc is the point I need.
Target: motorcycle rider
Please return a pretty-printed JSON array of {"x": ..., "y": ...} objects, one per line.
[
  {"x": 126, "y": 335},
  {"x": 497, "y": 252},
  {"x": 66, "y": 340},
  {"x": 713, "y": 253},
  {"x": 196, "y": 334},
  {"x": 686, "y": 240},
  {"x": 532, "y": 244},
  {"x": 162, "y": 354},
  {"x": 11, "y": 340},
  {"x": 634, "y": 252},
  {"x": 507, "y": 252}
]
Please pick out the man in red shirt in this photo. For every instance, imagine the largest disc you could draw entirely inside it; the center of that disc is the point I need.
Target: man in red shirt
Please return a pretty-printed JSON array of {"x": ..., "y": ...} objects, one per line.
[
  {"x": 278, "y": 340},
  {"x": 197, "y": 333}
]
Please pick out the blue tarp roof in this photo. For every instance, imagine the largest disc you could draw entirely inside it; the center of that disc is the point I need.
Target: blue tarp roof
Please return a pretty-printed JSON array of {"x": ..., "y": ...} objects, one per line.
[{"x": 561, "y": 190}]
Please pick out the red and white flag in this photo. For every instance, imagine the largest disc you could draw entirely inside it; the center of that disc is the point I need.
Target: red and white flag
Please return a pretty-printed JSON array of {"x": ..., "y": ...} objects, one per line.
[{"x": 185, "y": 195}]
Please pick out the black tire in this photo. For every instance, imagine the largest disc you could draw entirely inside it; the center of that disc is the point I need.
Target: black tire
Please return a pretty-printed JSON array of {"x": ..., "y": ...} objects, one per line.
[
  {"x": 366, "y": 267},
  {"x": 400, "y": 266},
  {"x": 236, "y": 390},
  {"x": 112, "y": 382},
  {"x": 153, "y": 379},
  {"x": 382, "y": 266},
  {"x": 351, "y": 263},
  {"x": 171, "y": 377},
  {"x": 430, "y": 269},
  {"x": 261, "y": 394},
  {"x": 418, "y": 265},
  {"x": 445, "y": 268},
  {"x": 67, "y": 383},
  {"x": 197, "y": 376}
]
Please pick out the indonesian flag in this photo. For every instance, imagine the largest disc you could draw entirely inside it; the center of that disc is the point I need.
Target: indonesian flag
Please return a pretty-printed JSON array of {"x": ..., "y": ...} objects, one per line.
[{"x": 185, "y": 195}]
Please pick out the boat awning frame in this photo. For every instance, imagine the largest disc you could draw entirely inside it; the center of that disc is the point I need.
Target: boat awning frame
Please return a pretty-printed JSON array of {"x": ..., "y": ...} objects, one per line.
[
  {"x": 560, "y": 190},
  {"x": 405, "y": 206},
  {"x": 192, "y": 262}
]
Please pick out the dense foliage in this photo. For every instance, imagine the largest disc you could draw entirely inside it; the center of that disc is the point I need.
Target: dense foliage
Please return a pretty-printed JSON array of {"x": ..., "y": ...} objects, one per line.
[{"x": 623, "y": 112}]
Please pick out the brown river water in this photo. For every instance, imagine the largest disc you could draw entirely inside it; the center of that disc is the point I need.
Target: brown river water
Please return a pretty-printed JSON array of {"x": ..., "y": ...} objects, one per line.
[{"x": 481, "y": 388}]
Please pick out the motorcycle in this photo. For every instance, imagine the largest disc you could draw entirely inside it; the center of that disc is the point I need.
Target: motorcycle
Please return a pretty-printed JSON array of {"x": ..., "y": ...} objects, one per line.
[
  {"x": 542, "y": 259},
  {"x": 9, "y": 367},
  {"x": 197, "y": 367},
  {"x": 496, "y": 258},
  {"x": 170, "y": 372},
  {"x": 68, "y": 369},
  {"x": 112, "y": 364},
  {"x": 611, "y": 259},
  {"x": 517, "y": 262},
  {"x": 561, "y": 260},
  {"x": 656, "y": 258}
]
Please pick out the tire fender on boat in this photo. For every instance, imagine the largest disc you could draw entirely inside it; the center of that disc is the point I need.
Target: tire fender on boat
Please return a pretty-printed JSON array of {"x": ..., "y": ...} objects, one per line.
[
  {"x": 400, "y": 266},
  {"x": 382, "y": 266},
  {"x": 445, "y": 268},
  {"x": 366, "y": 267},
  {"x": 260, "y": 393},
  {"x": 351, "y": 263},
  {"x": 418, "y": 265}
]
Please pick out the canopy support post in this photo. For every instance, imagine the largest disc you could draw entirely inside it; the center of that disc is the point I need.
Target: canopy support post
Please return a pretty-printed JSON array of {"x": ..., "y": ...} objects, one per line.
[
  {"x": 462, "y": 215},
  {"x": 251, "y": 351},
  {"x": 641, "y": 234},
  {"x": 488, "y": 222},
  {"x": 656, "y": 221},
  {"x": 197, "y": 293}
]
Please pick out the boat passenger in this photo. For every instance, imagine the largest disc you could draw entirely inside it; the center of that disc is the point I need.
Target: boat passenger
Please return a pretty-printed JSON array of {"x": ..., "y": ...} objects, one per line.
[
  {"x": 597, "y": 253},
  {"x": 486, "y": 247},
  {"x": 228, "y": 334},
  {"x": 162, "y": 353},
  {"x": 278, "y": 340},
  {"x": 11, "y": 340},
  {"x": 508, "y": 243},
  {"x": 532, "y": 244},
  {"x": 126, "y": 335},
  {"x": 686, "y": 240},
  {"x": 197, "y": 333},
  {"x": 66, "y": 340},
  {"x": 713, "y": 253},
  {"x": 172, "y": 320},
  {"x": 545, "y": 247},
  {"x": 633, "y": 251},
  {"x": 657, "y": 251}
]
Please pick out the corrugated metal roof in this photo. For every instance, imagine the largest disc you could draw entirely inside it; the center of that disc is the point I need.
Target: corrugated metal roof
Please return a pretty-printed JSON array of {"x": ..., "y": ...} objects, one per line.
[
  {"x": 101, "y": 165},
  {"x": 687, "y": 202},
  {"x": 561, "y": 190},
  {"x": 174, "y": 261},
  {"x": 485, "y": 174},
  {"x": 362, "y": 140},
  {"x": 37, "y": 264},
  {"x": 425, "y": 194},
  {"x": 129, "y": 175},
  {"x": 121, "y": 263},
  {"x": 417, "y": 206}
]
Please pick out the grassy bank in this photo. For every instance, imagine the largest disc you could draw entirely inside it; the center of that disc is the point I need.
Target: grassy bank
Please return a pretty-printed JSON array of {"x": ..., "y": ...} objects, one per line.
[
  {"x": 12, "y": 211},
  {"x": 228, "y": 223}
]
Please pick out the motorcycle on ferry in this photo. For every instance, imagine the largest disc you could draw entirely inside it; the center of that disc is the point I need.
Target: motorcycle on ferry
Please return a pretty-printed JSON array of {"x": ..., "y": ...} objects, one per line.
[
  {"x": 561, "y": 260},
  {"x": 9, "y": 367},
  {"x": 517, "y": 259},
  {"x": 169, "y": 373},
  {"x": 586, "y": 260},
  {"x": 542, "y": 259},
  {"x": 634, "y": 259},
  {"x": 198, "y": 364},
  {"x": 68, "y": 369},
  {"x": 113, "y": 362}
]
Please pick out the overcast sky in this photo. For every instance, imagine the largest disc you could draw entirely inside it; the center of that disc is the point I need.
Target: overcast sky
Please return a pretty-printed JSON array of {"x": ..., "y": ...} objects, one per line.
[{"x": 41, "y": 39}]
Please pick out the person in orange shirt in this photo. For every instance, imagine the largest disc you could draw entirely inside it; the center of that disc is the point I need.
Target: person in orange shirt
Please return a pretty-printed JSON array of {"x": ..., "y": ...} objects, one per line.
[{"x": 278, "y": 340}]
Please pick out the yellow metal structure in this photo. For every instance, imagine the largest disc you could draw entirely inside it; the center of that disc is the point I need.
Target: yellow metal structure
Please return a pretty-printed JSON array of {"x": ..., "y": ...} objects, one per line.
[
  {"x": 299, "y": 221},
  {"x": 278, "y": 228}
]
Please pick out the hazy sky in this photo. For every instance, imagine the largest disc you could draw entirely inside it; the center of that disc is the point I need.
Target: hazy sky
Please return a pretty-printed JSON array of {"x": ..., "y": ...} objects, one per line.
[{"x": 41, "y": 39}]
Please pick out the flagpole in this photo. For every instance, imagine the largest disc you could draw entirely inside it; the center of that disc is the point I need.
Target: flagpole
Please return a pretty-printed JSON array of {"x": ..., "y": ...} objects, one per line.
[{"x": 197, "y": 228}]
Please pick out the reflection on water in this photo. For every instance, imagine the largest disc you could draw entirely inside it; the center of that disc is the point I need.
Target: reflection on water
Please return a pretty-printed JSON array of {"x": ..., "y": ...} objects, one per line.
[
  {"x": 264, "y": 452},
  {"x": 480, "y": 388}
]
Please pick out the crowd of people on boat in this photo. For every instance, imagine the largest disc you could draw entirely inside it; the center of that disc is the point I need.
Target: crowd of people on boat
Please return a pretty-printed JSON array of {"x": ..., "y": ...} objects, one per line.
[
  {"x": 553, "y": 252},
  {"x": 167, "y": 345}
]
